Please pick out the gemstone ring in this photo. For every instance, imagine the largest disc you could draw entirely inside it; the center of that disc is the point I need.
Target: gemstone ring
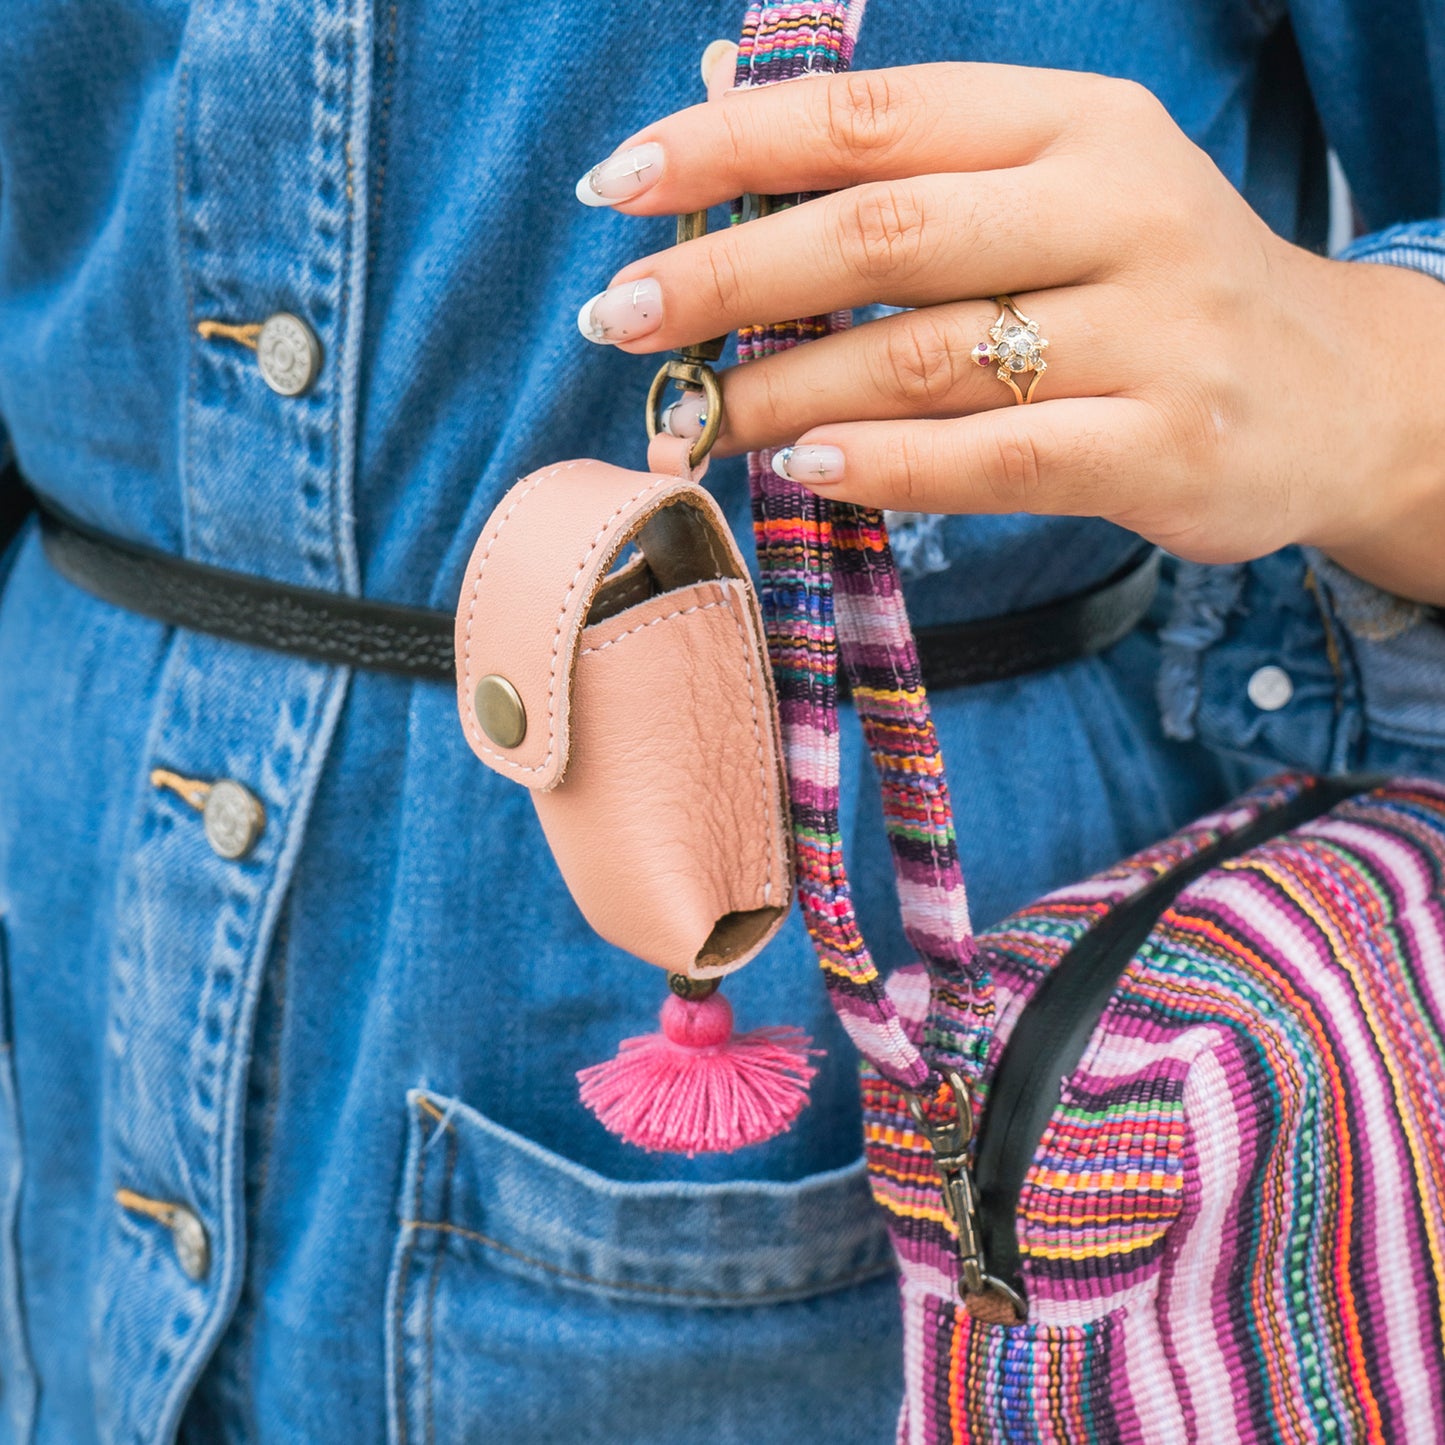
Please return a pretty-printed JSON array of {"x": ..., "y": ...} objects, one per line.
[{"x": 1016, "y": 346}]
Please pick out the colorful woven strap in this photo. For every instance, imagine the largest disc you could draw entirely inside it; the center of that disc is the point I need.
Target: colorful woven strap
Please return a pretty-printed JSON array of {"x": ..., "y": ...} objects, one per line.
[{"x": 829, "y": 578}]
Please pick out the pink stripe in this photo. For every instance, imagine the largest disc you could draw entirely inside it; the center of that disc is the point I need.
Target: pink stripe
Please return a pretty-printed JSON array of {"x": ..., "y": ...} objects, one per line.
[
  {"x": 1150, "y": 1388},
  {"x": 1391, "y": 1243},
  {"x": 1197, "y": 1263}
]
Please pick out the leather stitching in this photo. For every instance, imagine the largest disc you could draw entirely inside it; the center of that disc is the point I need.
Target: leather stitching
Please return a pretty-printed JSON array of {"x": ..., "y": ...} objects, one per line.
[
  {"x": 655, "y": 483},
  {"x": 628, "y": 591},
  {"x": 467, "y": 715},
  {"x": 656, "y": 621},
  {"x": 757, "y": 737}
]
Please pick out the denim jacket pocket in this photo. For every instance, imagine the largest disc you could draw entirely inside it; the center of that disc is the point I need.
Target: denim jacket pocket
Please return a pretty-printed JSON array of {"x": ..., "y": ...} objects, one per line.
[
  {"x": 531, "y": 1298},
  {"x": 17, "y": 1373}
]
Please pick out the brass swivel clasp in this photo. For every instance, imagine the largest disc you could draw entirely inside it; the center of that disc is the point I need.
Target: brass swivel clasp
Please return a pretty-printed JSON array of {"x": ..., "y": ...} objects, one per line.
[
  {"x": 950, "y": 1141},
  {"x": 691, "y": 368}
]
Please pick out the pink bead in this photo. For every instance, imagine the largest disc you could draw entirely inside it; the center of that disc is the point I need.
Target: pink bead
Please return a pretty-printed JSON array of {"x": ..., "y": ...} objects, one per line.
[{"x": 704, "y": 1024}]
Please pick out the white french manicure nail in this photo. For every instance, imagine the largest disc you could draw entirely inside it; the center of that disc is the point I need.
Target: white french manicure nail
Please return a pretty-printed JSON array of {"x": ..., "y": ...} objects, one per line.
[
  {"x": 716, "y": 51},
  {"x": 622, "y": 314},
  {"x": 685, "y": 418},
  {"x": 815, "y": 466},
  {"x": 622, "y": 176}
]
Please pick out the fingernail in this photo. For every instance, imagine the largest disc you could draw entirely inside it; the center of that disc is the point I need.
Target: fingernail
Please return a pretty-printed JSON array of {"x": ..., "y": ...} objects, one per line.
[
  {"x": 622, "y": 314},
  {"x": 812, "y": 466},
  {"x": 622, "y": 176},
  {"x": 686, "y": 417},
  {"x": 719, "y": 52}
]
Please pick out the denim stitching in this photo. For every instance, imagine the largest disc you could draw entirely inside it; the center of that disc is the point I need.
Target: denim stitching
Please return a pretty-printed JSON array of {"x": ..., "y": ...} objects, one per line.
[
  {"x": 339, "y": 483},
  {"x": 428, "y": 1405},
  {"x": 221, "y": 1191},
  {"x": 443, "y": 1226},
  {"x": 383, "y": 126},
  {"x": 187, "y": 279},
  {"x": 281, "y": 946},
  {"x": 670, "y": 1291},
  {"x": 1332, "y": 642},
  {"x": 239, "y": 1341},
  {"x": 266, "y": 1142},
  {"x": 399, "y": 1316},
  {"x": 747, "y": 647}
]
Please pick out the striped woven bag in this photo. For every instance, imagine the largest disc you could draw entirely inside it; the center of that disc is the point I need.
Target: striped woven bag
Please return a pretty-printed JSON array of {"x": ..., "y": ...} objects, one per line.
[{"x": 1163, "y": 1155}]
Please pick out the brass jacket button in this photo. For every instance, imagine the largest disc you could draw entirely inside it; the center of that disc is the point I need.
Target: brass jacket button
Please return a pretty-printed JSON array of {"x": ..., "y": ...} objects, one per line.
[{"x": 288, "y": 354}]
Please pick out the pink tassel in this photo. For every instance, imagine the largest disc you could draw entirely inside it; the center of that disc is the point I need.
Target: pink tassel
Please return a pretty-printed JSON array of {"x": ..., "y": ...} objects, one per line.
[{"x": 699, "y": 1088}]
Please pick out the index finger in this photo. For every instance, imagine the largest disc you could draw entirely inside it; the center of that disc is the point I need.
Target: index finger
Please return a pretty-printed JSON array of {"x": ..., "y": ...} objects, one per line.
[
  {"x": 827, "y": 132},
  {"x": 920, "y": 242}
]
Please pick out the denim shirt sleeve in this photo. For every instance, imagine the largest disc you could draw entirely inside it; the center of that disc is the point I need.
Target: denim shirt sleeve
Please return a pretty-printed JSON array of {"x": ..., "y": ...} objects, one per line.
[
  {"x": 1293, "y": 662},
  {"x": 1396, "y": 646},
  {"x": 1417, "y": 244},
  {"x": 1394, "y": 650}
]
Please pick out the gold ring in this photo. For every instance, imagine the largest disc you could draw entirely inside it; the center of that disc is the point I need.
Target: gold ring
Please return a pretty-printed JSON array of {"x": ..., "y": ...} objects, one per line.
[{"x": 1016, "y": 347}]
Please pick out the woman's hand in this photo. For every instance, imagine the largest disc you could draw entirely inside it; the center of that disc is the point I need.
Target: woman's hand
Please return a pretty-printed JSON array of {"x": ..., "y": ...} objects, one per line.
[{"x": 1210, "y": 386}]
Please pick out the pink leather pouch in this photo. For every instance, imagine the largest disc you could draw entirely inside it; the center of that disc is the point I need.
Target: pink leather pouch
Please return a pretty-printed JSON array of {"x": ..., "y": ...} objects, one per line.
[{"x": 635, "y": 700}]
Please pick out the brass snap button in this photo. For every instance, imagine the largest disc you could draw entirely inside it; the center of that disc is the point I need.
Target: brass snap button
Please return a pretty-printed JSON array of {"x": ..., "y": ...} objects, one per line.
[{"x": 499, "y": 711}]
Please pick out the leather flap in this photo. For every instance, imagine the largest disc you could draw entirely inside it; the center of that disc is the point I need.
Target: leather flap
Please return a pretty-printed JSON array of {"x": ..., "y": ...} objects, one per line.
[
  {"x": 539, "y": 574},
  {"x": 671, "y": 827}
]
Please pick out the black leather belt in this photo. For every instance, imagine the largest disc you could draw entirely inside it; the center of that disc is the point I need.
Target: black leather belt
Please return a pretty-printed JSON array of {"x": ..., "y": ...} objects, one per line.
[{"x": 418, "y": 642}]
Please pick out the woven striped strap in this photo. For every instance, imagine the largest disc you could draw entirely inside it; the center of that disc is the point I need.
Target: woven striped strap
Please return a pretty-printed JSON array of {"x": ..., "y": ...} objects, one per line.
[{"x": 829, "y": 581}]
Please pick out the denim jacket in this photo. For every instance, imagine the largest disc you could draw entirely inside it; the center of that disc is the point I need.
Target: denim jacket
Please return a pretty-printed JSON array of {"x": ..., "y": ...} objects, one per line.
[{"x": 290, "y": 1147}]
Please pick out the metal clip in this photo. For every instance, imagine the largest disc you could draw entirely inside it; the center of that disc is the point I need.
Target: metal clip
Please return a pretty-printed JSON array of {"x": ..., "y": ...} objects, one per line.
[
  {"x": 691, "y": 368},
  {"x": 985, "y": 1296}
]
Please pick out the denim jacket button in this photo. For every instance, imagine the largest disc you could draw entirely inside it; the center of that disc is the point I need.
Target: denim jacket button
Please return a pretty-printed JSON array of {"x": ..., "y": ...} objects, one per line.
[
  {"x": 288, "y": 354},
  {"x": 233, "y": 817},
  {"x": 192, "y": 1246},
  {"x": 1270, "y": 688}
]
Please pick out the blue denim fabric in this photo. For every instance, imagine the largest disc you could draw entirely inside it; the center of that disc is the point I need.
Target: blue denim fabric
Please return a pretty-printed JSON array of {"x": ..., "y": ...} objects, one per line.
[
  {"x": 269, "y": 1041},
  {"x": 595, "y": 1280}
]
